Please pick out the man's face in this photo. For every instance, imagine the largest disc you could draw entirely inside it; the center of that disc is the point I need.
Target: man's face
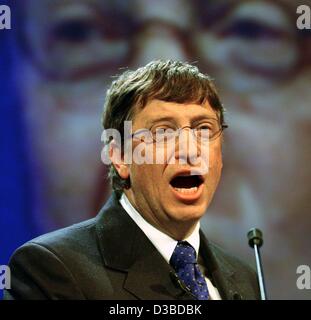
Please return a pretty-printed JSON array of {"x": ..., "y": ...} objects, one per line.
[{"x": 156, "y": 189}]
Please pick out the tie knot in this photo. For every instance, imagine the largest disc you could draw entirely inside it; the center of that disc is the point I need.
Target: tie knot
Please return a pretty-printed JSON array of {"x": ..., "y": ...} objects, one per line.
[{"x": 183, "y": 254}]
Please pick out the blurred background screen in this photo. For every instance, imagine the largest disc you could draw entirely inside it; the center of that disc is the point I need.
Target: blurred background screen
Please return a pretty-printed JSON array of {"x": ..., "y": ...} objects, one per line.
[{"x": 56, "y": 64}]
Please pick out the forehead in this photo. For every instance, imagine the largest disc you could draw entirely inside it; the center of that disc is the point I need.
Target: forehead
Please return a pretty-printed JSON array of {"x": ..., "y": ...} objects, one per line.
[{"x": 179, "y": 112}]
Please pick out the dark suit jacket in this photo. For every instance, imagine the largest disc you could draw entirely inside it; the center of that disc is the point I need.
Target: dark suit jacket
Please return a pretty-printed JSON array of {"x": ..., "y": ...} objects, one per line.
[{"x": 109, "y": 257}]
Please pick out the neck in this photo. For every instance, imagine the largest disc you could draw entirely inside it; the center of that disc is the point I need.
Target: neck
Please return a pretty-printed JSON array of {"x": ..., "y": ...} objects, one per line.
[
  {"x": 180, "y": 231},
  {"x": 177, "y": 230}
]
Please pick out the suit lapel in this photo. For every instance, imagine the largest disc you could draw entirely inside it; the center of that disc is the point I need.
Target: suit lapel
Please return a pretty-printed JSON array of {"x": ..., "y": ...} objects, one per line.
[
  {"x": 150, "y": 277},
  {"x": 126, "y": 248},
  {"x": 220, "y": 271}
]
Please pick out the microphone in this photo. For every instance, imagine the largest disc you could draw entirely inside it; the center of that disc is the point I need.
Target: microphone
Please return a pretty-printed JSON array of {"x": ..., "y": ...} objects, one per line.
[{"x": 255, "y": 240}]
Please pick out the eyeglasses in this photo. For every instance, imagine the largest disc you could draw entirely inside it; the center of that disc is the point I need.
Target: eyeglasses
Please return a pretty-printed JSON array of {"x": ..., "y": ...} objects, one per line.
[{"x": 208, "y": 130}]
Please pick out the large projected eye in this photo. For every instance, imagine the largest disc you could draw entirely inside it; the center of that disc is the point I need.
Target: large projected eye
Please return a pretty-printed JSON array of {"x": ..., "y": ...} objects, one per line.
[
  {"x": 252, "y": 45},
  {"x": 76, "y": 40},
  {"x": 253, "y": 30},
  {"x": 74, "y": 31}
]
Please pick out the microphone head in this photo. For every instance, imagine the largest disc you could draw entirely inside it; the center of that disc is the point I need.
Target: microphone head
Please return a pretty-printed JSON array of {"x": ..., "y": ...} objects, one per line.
[{"x": 254, "y": 236}]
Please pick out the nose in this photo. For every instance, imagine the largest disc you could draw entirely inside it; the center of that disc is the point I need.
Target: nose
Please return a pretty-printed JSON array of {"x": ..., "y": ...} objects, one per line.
[
  {"x": 161, "y": 41},
  {"x": 187, "y": 148},
  {"x": 163, "y": 30}
]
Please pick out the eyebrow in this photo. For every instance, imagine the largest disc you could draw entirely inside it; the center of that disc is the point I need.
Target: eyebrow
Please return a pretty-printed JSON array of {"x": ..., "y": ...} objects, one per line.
[
  {"x": 197, "y": 118},
  {"x": 151, "y": 122}
]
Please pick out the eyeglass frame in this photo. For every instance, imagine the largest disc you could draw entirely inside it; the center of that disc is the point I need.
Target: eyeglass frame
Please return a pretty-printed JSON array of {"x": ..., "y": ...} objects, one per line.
[{"x": 179, "y": 130}]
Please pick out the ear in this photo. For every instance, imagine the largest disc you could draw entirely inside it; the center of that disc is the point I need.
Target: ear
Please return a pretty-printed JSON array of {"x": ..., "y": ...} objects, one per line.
[{"x": 117, "y": 160}]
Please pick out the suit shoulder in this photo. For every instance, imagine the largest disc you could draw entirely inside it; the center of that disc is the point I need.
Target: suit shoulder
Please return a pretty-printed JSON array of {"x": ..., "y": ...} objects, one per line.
[
  {"x": 244, "y": 274},
  {"x": 48, "y": 267},
  {"x": 72, "y": 238},
  {"x": 235, "y": 262}
]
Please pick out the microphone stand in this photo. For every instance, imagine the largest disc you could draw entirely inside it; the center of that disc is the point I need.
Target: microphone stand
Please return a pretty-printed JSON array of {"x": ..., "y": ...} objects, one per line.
[{"x": 255, "y": 240}]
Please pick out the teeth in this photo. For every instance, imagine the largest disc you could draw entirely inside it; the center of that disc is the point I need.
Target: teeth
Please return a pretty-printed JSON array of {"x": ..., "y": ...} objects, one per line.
[{"x": 187, "y": 190}]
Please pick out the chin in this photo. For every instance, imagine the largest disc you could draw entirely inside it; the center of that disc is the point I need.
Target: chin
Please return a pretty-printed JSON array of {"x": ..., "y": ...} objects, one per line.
[{"x": 188, "y": 212}]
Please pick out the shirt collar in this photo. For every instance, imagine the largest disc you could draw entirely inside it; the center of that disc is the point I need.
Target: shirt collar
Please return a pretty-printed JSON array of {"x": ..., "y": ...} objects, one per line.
[{"x": 164, "y": 243}]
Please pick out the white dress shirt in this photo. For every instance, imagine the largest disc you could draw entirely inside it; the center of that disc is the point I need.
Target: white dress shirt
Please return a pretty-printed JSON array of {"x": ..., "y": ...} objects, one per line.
[{"x": 164, "y": 243}]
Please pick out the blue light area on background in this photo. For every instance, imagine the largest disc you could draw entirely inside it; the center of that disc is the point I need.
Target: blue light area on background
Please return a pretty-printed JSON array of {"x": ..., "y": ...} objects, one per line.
[{"x": 15, "y": 207}]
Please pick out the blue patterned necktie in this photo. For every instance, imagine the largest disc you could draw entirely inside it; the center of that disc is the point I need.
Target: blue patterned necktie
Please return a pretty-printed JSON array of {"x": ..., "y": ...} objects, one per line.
[{"x": 184, "y": 262}]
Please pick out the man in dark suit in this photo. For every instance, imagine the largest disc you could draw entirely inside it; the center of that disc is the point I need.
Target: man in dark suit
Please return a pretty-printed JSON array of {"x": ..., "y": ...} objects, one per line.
[{"x": 146, "y": 242}]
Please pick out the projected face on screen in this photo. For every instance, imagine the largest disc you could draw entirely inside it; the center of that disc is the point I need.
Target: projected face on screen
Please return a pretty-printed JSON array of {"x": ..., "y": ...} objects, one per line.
[
  {"x": 71, "y": 48},
  {"x": 259, "y": 58},
  {"x": 260, "y": 62}
]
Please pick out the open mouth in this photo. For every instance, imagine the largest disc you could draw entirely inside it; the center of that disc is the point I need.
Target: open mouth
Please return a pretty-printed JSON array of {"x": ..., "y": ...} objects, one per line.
[{"x": 187, "y": 184}]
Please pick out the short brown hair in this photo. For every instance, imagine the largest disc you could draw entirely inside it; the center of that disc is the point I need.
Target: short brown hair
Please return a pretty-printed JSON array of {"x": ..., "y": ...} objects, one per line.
[{"x": 166, "y": 80}]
